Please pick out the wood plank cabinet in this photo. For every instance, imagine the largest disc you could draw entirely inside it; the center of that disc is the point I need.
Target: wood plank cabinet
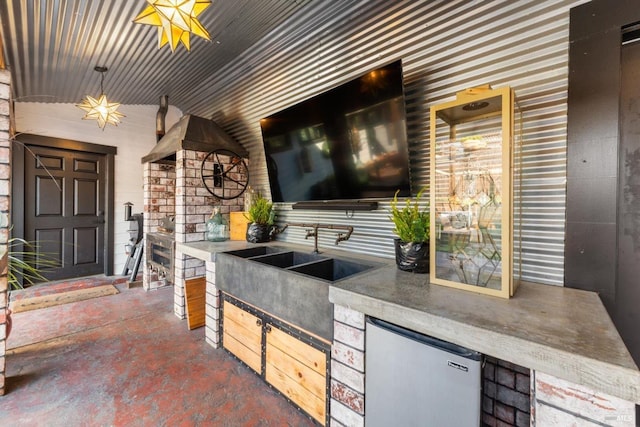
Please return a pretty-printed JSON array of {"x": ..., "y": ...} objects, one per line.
[
  {"x": 290, "y": 360},
  {"x": 242, "y": 335},
  {"x": 297, "y": 370}
]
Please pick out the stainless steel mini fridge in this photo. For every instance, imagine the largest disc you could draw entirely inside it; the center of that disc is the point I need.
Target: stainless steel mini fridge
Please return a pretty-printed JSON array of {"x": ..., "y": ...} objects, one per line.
[{"x": 416, "y": 380}]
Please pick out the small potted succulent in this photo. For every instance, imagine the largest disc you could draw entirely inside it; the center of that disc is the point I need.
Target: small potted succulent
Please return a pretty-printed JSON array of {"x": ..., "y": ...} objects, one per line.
[
  {"x": 412, "y": 222},
  {"x": 260, "y": 216}
]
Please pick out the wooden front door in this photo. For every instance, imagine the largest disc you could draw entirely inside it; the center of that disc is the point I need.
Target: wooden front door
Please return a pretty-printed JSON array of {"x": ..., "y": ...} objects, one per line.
[{"x": 64, "y": 195}]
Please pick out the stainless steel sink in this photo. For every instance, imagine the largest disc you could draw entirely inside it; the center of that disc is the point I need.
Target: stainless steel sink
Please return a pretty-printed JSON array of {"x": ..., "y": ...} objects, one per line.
[
  {"x": 288, "y": 259},
  {"x": 332, "y": 269}
]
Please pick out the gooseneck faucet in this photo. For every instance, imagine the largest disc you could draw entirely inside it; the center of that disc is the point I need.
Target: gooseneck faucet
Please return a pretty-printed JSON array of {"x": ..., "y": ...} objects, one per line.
[{"x": 312, "y": 231}]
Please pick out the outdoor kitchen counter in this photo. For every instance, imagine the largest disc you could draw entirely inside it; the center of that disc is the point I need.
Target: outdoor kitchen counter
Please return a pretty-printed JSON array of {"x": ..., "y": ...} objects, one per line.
[
  {"x": 560, "y": 331},
  {"x": 563, "y": 332}
]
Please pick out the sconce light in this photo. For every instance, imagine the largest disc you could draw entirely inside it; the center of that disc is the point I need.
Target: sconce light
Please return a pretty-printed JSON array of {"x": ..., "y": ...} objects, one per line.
[
  {"x": 176, "y": 20},
  {"x": 101, "y": 109}
]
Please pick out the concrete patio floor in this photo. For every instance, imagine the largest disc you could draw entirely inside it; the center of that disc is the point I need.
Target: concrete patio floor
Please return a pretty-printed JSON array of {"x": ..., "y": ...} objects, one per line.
[{"x": 127, "y": 360}]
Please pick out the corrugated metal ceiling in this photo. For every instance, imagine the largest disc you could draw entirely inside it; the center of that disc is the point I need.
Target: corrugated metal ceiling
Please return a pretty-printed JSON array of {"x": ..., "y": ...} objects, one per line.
[{"x": 52, "y": 46}]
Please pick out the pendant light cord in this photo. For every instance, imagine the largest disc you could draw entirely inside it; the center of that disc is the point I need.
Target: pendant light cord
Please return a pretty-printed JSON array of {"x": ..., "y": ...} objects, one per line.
[{"x": 101, "y": 70}]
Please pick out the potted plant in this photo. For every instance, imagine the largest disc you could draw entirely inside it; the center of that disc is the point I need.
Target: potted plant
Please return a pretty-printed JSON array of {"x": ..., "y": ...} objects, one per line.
[
  {"x": 260, "y": 216},
  {"x": 412, "y": 224}
]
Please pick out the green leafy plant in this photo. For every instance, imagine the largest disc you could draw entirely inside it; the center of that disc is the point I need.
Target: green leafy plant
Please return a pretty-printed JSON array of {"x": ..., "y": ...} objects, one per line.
[
  {"x": 260, "y": 211},
  {"x": 411, "y": 221},
  {"x": 22, "y": 256}
]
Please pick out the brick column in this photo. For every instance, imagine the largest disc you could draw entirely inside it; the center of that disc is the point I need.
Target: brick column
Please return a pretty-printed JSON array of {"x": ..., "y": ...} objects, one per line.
[
  {"x": 5, "y": 186},
  {"x": 213, "y": 305},
  {"x": 347, "y": 368},
  {"x": 194, "y": 204}
]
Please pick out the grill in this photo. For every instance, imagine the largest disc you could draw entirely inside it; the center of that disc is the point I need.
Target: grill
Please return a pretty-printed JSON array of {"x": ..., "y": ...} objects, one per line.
[{"x": 159, "y": 250}]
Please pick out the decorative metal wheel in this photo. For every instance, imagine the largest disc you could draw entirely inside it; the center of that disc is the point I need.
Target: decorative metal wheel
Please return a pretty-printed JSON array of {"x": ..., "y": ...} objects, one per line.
[{"x": 224, "y": 174}]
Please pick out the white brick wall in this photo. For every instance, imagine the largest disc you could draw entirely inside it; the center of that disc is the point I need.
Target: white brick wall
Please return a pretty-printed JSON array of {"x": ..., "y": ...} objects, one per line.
[
  {"x": 561, "y": 403},
  {"x": 347, "y": 368},
  {"x": 5, "y": 169},
  {"x": 214, "y": 303}
]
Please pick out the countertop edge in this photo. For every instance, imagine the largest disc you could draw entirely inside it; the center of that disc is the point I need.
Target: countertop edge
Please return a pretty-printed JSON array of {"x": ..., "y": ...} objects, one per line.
[{"x": 619, "y": 381}]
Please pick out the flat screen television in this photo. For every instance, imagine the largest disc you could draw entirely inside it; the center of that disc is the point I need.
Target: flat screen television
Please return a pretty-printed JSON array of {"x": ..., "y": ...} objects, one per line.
[{"x": 349, "y": 143}]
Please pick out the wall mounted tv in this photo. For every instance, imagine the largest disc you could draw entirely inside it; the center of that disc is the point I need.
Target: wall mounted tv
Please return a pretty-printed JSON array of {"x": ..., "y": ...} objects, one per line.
[{"x": 346, "y": 144}]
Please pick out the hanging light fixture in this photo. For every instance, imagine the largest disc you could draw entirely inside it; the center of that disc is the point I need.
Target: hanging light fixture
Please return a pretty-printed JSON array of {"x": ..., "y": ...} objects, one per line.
[
  {"x": 176, "y": 20},
  {"x": 101, "y": 109}
]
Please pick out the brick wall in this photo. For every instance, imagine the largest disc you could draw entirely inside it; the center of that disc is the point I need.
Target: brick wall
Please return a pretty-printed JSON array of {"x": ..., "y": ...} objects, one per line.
[
  {"x": 159, "y": 182},
  {"x": 506, "y": 394},
  {"x": 558, "y": 402},
  {"x": 5, "y": 173},
  {"x": 347, "y": 368},
  {"x": 212, "y": 309},
  {"x": 159, "y": 194}
]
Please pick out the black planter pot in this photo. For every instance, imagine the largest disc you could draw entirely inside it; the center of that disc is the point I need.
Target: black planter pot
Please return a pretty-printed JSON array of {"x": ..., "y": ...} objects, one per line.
[
  {"x": 258, "y": 233},
  {"x": 413, "y": 257}
]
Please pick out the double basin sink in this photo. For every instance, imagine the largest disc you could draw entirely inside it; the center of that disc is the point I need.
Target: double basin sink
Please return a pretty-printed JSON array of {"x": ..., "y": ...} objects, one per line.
[
  {"x": 290, "y": 285},
  {"x": 310, "y": 264}
]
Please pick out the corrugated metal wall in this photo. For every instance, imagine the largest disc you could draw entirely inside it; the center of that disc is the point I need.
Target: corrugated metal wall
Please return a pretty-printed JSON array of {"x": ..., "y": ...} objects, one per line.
[{"x": 446, "y": 46}]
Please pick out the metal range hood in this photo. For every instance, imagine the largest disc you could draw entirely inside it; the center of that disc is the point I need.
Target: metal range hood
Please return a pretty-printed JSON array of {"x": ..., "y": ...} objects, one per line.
[{"x": 192, "y": 133}]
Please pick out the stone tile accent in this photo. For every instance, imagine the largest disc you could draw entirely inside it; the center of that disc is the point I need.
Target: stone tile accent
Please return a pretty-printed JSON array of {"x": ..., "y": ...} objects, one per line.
[
  {"x": 348, "y": 356},
  {"x": 345, "y": 416},
  {"x": 584, "y": 407},
  {"x": 350, "y": 398},
  {"x": 353, "y": 336}
]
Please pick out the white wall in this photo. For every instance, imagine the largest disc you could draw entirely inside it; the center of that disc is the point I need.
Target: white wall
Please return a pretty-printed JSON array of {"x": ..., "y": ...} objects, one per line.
[{"x": 134, "y": 138}]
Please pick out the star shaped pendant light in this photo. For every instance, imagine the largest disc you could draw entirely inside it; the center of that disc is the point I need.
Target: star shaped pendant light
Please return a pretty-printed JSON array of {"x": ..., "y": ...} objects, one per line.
[
  {"x": 176, "y": 20},
  {"x": 101, "y": 109}
]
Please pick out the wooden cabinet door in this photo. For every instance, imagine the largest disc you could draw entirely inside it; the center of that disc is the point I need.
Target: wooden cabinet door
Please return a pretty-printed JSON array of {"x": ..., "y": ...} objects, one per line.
[
  {"x": 242, "y": 335},
  {"x": 297, "y": 370}
]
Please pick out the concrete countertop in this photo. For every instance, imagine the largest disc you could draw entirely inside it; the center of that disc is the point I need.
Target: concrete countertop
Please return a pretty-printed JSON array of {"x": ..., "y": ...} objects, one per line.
[
  {"x": 207, "y": 251},
  {"x": 560, "y": 331},
  {"x": 563, "y": 332}
]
